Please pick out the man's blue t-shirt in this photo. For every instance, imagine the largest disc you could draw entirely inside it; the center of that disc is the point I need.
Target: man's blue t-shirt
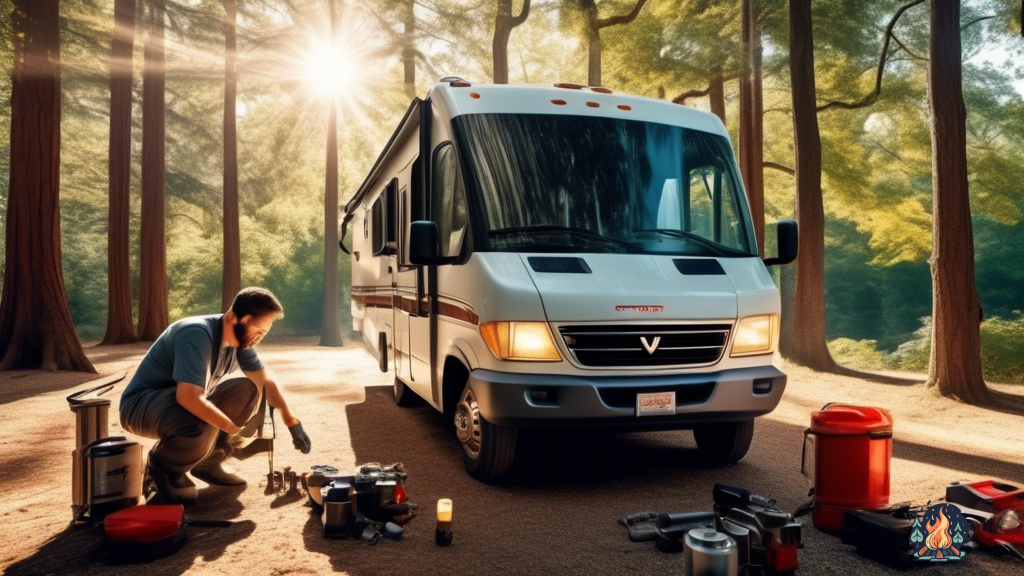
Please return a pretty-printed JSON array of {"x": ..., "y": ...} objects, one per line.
[{"x": 187, "y": 351}]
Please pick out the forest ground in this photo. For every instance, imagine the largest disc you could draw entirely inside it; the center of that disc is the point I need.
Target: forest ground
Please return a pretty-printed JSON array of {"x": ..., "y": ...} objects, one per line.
[{"x": 557, "y": 515}]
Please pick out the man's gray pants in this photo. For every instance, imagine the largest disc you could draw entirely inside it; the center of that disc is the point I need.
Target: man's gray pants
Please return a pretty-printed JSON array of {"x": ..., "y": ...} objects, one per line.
[{"x": 185, "y": 441}]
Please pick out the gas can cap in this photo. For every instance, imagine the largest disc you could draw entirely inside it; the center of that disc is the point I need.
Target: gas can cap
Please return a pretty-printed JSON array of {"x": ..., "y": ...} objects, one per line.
[{"x": 850, "y": 419}]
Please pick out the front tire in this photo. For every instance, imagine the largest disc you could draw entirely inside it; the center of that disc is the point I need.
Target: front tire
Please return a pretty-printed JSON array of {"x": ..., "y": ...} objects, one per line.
[
  {"x": 488, "y": 450},
  {"x": 724, "y": 442}
]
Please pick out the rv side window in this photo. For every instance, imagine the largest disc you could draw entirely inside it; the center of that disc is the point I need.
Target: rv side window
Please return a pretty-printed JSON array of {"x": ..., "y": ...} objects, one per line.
[
  {"x": 378, "y": 225},
  {"x": 450, "y": 211},
  {"x": 391, "y": 212}
]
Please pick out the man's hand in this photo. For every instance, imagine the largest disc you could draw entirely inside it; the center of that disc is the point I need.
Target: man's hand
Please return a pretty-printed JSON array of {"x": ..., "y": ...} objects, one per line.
[{"x": 299, "y": 438}]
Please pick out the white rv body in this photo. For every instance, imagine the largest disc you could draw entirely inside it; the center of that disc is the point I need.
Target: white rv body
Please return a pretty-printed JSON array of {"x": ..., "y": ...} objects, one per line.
[{"x": 435, "y": 345}]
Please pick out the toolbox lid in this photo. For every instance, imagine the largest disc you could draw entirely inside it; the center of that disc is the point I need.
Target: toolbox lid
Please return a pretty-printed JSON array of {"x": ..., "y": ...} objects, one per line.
[
  {"x": 144, "y": 524},
  {"x": 852, "y": 420}
]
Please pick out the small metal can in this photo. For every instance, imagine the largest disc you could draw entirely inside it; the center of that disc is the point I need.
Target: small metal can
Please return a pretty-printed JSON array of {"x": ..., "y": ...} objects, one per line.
[{"x": 709, "y": 553}]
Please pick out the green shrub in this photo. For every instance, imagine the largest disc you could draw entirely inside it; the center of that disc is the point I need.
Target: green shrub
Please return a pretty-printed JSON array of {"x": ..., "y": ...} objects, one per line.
[
  {"x": 1002, "y": 348},
  {"x": 861, "y": 354}
]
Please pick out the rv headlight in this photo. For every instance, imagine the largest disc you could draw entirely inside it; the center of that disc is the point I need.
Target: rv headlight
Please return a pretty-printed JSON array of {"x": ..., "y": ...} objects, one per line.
[
  {"x": 756, "y": 335},
  {"x": 520, "y": 341}
]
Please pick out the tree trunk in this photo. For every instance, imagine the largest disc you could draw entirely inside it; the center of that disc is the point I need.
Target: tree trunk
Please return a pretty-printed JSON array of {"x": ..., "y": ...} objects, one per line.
[
  {"x": 408, "y": 49},
  {"x": 755, "y": 183},
  {"x": 809, "y": 347},
  {"x": 593, "y": 47},
  {"x": 153, "y": 240},
  {"x": 504, "y": 22},
  {"x": 120, "y": 328},
  {"x": 716, "y": 96},
  {"x": 787, "y": 293},
  {"x": 746, "y": 129},
  {"x": 955, "y": 366},
  {"x": 231, "y": 282},
  {"x": 330, "y": 329},
  {"x": 36, "y": 327}
]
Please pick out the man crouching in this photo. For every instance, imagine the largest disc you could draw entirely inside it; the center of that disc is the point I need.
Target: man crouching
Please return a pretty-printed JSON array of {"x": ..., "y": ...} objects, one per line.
[{"x": 178, "y": 397}]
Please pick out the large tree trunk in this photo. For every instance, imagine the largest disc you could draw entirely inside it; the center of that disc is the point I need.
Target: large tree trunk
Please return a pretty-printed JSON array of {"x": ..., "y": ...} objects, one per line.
[
  {"x": 503, "y": 25},
  {"x": 153, "y": 239},
  {"x": 408, "y": 48},
  {"x": 120, "y": 328},
  {"x": 809, "y": 347},
  {"x": 231, "y": 282},
  {"x": 593, "y": 46},
  {"x": 716, "y": 97},
  {"x": 751, "y": 122},
  {"x": 955, "y": 366},
  {"x": 36, "y": 327},
  {"x": 330, "y": 328},
  {"x": 755, "y": 183}
]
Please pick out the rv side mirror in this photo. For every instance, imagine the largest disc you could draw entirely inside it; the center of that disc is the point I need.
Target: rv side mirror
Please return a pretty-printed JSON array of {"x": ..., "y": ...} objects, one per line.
[
  {"x": 424, "y": 243},
  {"x": 786, "y": 231}
]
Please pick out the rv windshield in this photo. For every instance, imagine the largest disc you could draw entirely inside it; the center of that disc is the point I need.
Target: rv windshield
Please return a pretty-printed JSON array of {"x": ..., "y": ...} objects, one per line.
[{"x": 591, "y": 184}]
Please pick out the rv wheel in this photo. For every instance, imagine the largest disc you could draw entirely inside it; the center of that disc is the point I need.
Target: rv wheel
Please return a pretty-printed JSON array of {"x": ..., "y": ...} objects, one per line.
[
  {"x": 724, "y": 442},
  {"x": 404, "y": 397},
  {"x": 487, "y": 450}
]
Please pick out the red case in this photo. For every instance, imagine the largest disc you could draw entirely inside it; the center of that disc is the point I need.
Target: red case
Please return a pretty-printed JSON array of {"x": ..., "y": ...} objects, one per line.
[{"x": 148, "y": 529}]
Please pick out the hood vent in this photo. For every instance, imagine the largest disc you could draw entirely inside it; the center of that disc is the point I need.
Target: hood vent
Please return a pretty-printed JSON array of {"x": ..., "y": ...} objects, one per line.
[
  {"x": 559, "y": 264},
  {"x": 699, "y": 266}
]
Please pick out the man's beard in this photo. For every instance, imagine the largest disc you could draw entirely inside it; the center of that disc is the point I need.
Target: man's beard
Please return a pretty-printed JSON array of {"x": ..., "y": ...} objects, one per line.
[{"x": 240, "y": 333}]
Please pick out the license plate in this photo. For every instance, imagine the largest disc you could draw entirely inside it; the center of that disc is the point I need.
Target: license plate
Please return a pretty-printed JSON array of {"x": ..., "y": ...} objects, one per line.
[{"x": 655, "y": 403}]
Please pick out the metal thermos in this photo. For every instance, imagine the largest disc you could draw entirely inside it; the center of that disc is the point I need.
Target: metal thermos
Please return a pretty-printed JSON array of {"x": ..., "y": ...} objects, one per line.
[
  {"x": 106, "y": 472},
  {"x": 709, "y": 553}
]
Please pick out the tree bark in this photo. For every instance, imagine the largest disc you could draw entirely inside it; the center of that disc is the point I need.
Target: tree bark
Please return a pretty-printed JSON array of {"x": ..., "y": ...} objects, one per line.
[
  {"x": 594, "y": 26},
  {"x": 503, "y": 25},
  {"x": 153, "y": 239},
  {"x": 808, "y": 347},
  {"x": 330, "y": 329},
  {"x": 408, "y": 48},
  {"x": 955, "y": 365},
  {"x": 231, "y": 281},
  {"x": 120, "y": 328},
  {"x": 36, "y": 326},
  {"x": 716, "y": 97},
  {"x": 745, "y": 130},
  {"x": 755, "y": 186}
]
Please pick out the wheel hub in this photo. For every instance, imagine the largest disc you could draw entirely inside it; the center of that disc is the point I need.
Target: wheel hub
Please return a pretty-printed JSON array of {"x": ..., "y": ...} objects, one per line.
[{"x": 467, "y": 423}]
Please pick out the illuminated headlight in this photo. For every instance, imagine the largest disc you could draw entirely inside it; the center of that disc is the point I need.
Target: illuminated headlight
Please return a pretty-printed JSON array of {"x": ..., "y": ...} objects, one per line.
[
  {"x": 756, "y": 335},
  {"x": 520, "y": 341}
]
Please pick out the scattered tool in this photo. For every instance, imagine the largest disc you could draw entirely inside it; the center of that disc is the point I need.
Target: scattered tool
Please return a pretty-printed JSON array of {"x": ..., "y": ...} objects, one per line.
[
  {"x": 665, "y": 530},
  {"x": 707, "y": 552},
  {"x": 1002, "y": 503},
  {"x": 368, "y": 504}
]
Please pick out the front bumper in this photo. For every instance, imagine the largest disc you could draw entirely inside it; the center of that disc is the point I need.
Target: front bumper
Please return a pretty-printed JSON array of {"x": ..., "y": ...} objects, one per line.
[{"x": 531, "y": 400}]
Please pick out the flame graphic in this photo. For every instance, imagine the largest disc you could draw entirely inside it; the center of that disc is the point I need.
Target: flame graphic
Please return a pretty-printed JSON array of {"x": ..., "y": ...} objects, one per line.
[{"x": 938, "y": 533}]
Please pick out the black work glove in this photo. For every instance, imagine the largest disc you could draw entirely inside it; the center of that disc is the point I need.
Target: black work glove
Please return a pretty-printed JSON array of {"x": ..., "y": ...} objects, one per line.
[{"x": 299, "y": 438}]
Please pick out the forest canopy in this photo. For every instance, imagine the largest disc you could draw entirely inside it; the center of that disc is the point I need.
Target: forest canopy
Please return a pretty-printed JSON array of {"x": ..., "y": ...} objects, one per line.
[{"x": 876, "y": 159}]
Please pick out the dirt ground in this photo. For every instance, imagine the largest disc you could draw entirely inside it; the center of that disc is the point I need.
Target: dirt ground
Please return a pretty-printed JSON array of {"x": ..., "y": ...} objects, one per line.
[{"x": 557, "y": 515}]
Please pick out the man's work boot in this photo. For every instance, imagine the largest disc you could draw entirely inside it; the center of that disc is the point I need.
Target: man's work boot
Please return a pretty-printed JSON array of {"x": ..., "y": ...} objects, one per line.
[
  {"x": 216, "y": 474},
  {"x": 176, "y": 488}
]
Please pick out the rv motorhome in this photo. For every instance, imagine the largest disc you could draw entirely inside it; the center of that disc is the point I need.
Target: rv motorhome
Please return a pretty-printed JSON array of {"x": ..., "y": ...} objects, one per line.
[{"x": 558, "y": 255}]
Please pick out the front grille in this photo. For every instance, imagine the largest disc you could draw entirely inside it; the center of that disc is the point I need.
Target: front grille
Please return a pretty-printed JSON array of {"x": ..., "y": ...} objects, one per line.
[{"x": 607, "y": 345}]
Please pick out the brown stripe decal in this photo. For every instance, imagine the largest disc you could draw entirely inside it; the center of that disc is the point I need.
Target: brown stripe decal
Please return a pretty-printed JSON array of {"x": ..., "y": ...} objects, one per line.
[{"x": 408, "y": 305}]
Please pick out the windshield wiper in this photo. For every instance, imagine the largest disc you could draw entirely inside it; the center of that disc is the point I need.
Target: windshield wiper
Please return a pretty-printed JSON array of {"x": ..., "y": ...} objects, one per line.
[
  {"x": 698, "y": 239},
  {"x": 580, "y": 232}
]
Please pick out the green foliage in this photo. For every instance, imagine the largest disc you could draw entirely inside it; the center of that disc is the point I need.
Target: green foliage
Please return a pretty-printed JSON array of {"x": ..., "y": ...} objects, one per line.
[{"x": 861, "y": 354}]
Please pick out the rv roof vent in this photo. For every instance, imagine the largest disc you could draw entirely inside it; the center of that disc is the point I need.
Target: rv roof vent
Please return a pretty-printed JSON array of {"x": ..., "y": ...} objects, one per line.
[
  {"x": 699, "y": 266},
  {"x": 559, "y": 264}
]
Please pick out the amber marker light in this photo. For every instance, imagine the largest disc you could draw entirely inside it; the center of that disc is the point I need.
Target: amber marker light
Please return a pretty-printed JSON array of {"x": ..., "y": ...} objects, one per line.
[{"x": 530, "y": 341}]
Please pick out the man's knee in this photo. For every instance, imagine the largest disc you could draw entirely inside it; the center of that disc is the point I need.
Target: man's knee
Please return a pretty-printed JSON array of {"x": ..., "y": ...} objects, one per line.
[{"x": 236, "y": 398}]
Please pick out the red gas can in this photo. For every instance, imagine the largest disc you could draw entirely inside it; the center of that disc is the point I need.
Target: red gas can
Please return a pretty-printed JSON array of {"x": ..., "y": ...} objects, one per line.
[{"x": 852, "y": 452}]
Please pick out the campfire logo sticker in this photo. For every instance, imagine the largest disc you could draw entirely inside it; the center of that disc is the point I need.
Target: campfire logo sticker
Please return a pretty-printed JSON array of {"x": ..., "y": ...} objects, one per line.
[{"x": 939, "y": 535}]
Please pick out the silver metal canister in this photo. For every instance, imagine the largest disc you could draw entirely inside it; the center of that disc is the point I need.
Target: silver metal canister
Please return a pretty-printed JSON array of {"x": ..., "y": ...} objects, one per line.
[
  {"x": 709, "y": 553},
  {"x": 386, "y": 492}
]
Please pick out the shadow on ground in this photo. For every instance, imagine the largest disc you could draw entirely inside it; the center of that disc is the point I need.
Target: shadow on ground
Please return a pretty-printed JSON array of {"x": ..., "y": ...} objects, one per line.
[
  {"x": 85, "y": 549},
  {"x": 558, "y": 511}
]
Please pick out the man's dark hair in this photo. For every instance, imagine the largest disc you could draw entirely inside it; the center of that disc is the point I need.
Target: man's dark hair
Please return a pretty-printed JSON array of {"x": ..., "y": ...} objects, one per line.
[{"x": 257, "y": 302}]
